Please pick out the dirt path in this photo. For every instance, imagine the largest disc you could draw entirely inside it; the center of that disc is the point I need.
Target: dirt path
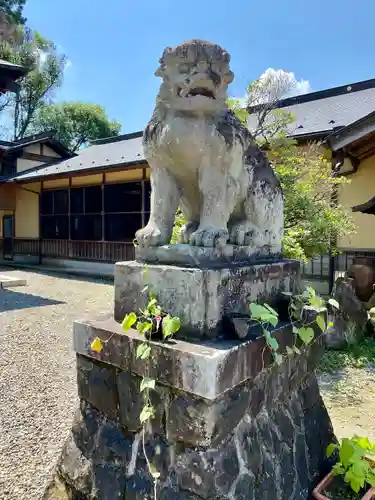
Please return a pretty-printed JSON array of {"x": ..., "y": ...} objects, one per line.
[{"x": 349, "y": 396}]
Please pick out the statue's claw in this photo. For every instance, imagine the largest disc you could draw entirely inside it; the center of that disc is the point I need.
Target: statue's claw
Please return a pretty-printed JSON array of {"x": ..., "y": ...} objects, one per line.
[
  {"x": 151, "y": 236},
  {"x": 209, "y": 237},
  {"x": 187, "y": 230}
]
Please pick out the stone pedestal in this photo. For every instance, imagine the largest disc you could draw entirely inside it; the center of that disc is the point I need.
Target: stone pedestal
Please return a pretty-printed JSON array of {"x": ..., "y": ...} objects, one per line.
[
  {"x": 201, "y": 286},
  {"x": 229, "y": 423}
]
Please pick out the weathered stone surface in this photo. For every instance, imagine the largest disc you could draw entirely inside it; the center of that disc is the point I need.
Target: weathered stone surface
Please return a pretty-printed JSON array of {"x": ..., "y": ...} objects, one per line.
[
  {"x": 202, "y": 297},
  {"x": 109, "y": 482},
  {"x": 200, "y": 422},
  {"x": 97, "y": 385},
  {"x": 265, "y": 438},
  {"x": 204, "y": 257},
  {"x": 131, "y": 402},
  {"x": 11, "y": 281},
  {"x": 351, "y": 320},
  {"x": 205, "y": 368}
]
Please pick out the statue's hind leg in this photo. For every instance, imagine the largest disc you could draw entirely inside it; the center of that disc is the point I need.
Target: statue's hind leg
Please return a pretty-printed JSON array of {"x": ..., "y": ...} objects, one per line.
[{"x": 262, "y": 223}]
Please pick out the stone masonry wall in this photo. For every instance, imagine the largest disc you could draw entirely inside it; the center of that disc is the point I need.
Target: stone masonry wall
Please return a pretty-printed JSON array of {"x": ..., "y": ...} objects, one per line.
[{"x": 264, "y": 439}]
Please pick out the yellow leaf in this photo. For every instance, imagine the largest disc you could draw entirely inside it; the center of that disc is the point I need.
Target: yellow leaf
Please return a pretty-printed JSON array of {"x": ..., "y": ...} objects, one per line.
[{"x": 97, "y": 345}]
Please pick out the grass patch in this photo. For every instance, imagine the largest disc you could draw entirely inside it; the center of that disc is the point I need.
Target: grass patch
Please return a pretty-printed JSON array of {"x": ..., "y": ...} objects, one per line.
[{"x": 356, "y": 356}]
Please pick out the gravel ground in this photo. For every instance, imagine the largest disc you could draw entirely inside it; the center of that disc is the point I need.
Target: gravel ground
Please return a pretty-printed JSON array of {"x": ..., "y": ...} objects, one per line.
[
  {"x": 349, "y": 396},
  {"x": 37, "y": 374},
  {"x": 38, "y": 387}
]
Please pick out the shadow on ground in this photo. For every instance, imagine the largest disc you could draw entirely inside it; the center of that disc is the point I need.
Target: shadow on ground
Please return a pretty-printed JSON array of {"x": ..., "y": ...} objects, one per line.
[
  {"x": 58, "y": 273},
  {"x": 11, "y": 300}
]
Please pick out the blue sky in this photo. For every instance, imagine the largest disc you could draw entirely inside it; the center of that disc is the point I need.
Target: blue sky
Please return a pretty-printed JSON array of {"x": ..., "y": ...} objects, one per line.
[{"x": 113, "y": 47}]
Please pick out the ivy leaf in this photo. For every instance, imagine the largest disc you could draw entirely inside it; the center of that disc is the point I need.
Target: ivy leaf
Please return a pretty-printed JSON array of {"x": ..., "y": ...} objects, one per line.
[
  {"x": 346, "y": 451},
  {"x": 272, "y": 311},
  {"x": 371, "y": 478},
  {"x": 144, "y": 327},
  {"x": 306, "y": 334},
  {"x": 310, "y": 291},
  {"x": 338, "y": 469},
  {"x": 273, "y": 343},
  {"x": 320, "y": 321},
  {"x": 264, "y": 314},
  {"x": 143, "y": 351},
  {"x": 154, "y": 472},
  {"x": 334, "y": 303},
  {"x": 278, "y": 358},
  {"x": 147, "y": 413},
  {"x": 257, "y": 311},
  {"x": 363, "y": 442},
  {"x": 356, "y": 482},
  {"x": 289, "y": 350},
  {"x": 97, "y": 345},
  {"x": 296, "y": 350},
  {"x": 147, "y": 383},
  {"x": 170, "y": 326},
  {"x": 330, "y": 449},
  {"x": 151, "y": 303},
  {"x": 129, "y": 321}
]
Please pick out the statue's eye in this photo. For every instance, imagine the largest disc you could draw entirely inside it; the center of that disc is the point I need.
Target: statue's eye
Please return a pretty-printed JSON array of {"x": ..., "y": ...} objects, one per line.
[{"x": 184, "y": 68}]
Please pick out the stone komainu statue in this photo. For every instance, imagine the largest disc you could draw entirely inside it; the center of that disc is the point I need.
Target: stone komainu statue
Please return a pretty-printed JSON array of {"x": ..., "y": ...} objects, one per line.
[{"x": 205, "y": 161}]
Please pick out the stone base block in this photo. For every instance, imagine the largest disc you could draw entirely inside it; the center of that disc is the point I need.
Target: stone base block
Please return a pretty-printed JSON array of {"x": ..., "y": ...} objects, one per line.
[
  {"x": 202, "y": 297},
  {"x": 204, "y": 257},
  {"x": 11, "y": 281},
  {"x": 229, "y": 423}
]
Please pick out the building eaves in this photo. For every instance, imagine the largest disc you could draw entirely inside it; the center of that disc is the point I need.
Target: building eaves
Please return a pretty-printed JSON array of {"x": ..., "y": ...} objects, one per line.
[
  {"x": 111, "y": 154},
  {"x": 47, "y": 138},
  {"x": 352, "y": 132},
  {"x": 14, "y": 69}
]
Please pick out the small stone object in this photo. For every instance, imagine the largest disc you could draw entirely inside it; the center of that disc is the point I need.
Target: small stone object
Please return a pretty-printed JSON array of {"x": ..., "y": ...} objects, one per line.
[
  {"x": 349, "y": 325},
  {"x": 203, "y": 159},
  {"x": 363, "y": 275}
]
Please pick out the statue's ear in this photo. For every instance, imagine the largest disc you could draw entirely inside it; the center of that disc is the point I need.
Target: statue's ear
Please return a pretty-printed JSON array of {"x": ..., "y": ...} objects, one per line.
[{"x": 228, "y": 77}]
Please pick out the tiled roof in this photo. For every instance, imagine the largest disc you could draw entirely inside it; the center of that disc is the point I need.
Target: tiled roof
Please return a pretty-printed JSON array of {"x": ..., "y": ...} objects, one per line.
[
  {"x": 18, "y": 70},
  {"x": 105, "y": 153},
  {"x": 42, "y": 138},
  {"x": 322, "y": 112}
]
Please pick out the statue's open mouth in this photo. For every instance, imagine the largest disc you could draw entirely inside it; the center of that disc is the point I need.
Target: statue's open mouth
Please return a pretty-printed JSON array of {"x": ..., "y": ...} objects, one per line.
[
  {"x": 201, "y": 91},
  {"x": 198, "y": 91}
]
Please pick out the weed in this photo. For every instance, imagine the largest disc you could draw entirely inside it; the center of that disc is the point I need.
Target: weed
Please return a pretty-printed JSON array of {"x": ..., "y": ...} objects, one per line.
[{"x": 361, "y": 355}]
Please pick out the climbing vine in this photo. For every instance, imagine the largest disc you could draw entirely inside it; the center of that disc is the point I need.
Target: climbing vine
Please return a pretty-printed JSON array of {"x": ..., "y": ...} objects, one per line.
[
  {"x": 302, "y": 324},
  {"x": 150, "y": 322}
]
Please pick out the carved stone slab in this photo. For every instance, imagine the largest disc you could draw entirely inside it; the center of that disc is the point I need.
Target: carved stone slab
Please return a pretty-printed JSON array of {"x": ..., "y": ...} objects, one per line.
[
  {"x": 204, "y": 257},
  {"x": 201, "y": 297}
]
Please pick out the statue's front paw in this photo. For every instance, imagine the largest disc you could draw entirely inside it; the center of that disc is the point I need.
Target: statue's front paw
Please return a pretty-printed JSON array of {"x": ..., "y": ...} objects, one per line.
[
  {"x": 187, "y": 230},
  {"x": 209, "y": 237},
  {"x": 151, "y": 236}
]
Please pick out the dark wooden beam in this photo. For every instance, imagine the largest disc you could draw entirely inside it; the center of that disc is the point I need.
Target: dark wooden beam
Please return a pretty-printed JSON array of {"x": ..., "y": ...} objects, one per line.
[{"x": 37, "y": 157}]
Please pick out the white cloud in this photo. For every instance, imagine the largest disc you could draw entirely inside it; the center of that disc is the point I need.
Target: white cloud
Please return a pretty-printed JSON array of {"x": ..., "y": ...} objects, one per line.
[
  {"x": 293, "y": 86},
  {"x": 68, "y": 64},
  {"x": 277, "y": 84}
]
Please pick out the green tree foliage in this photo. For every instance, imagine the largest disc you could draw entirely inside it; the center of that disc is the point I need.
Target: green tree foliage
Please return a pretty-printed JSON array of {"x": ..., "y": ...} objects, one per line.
[
  {"x": 13, "y": 9},
  {"x": 75, "y": 123},
  {"x": 314, "y": 221},
  {"x": 45, "y": 73}
]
